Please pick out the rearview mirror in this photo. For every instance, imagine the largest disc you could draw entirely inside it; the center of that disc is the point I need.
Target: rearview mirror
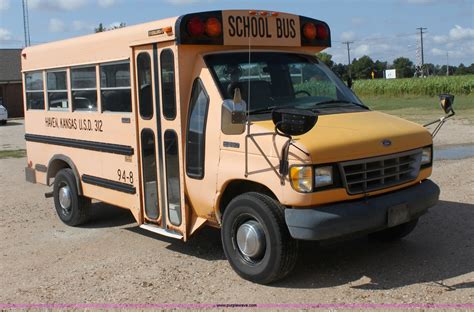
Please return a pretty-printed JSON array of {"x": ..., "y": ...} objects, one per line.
[
  {"x": 291, "y": 121},
  {"x": 234, "y": 115},
  {"x": 446, "y": 102}
]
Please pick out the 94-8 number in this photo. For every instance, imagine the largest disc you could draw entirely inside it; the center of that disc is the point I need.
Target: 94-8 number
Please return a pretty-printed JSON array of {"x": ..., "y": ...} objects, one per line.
[{"x": 124, "y": 176}]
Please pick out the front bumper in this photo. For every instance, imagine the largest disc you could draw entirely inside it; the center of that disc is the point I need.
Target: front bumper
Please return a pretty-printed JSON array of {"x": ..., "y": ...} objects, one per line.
[{"x": 365, "y": 215}]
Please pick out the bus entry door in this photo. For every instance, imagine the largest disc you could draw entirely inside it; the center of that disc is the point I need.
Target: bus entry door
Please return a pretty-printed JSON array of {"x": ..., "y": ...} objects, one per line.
[{"x": 159, "y": 129}]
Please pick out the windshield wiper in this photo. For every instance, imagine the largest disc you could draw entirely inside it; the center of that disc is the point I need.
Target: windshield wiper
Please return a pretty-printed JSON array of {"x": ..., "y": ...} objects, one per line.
[
  {"x": 269, "y": 109},
  {"x": 341, "y": 101}
]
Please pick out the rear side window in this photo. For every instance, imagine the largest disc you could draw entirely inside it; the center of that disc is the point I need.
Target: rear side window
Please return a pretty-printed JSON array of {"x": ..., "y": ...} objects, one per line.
[
  {"x": 115, "y": 87},
  {"x": 84, "y": 89},
  {"x": 57, "y": 90},
  {"x": 196, "y": 134},
  {"x": 34, "y": 90}
]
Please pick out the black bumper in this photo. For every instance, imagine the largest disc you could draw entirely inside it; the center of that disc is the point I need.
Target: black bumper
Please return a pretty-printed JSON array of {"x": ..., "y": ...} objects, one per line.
[{"x": 365, "y": 215}]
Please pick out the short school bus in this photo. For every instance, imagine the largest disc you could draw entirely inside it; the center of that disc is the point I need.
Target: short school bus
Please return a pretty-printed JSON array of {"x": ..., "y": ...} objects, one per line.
[{"x": 223, "y": 119}]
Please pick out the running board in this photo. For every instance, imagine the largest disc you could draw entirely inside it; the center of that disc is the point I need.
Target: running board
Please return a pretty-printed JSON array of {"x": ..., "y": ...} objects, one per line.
[{"x": 161, "y": 231}]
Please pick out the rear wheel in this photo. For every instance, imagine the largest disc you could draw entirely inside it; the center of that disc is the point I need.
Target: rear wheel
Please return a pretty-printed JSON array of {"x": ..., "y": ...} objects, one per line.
[
  {"x": 72, "y": 208},
  {"x": 396, "y": 232},
  {"x": 256, "y": 240}
]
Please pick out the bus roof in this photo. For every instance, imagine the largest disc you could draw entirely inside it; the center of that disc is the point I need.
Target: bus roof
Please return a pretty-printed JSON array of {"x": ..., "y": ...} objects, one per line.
[{"x": 229, "y": 27}]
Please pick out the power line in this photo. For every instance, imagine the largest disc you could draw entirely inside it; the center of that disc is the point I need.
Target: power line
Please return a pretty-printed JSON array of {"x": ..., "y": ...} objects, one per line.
[
  {"x": 422, "y": 49},
  {"x": 26, "y": 23}
]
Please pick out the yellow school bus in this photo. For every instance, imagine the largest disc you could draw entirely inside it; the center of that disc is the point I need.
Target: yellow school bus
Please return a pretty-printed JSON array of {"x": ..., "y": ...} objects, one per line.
[{"x": 224, "y": 119}]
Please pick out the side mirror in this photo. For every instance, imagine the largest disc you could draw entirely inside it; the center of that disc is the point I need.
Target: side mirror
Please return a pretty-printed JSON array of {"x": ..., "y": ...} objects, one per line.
[
  {"x": 446, "y": 102},
  {"x": 234, "y": 115},
  {"x": 290, "y": 121}
]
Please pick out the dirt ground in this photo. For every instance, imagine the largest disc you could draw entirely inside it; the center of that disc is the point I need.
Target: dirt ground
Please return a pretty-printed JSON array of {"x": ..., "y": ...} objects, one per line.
[{"x": 110, "y": 260}]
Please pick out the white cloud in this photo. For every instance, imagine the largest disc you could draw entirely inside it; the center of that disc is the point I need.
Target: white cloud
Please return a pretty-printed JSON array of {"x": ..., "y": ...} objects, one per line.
[
  {"x": 59, "y": 5},
  {"x": 106, "y": 3},
  {"x": 438, "y": 52},
  {"x": 183, "y": 2},
  {"x": 82, "y": 26},
  {"x": 56, "y": 25},
  {"x": 5, "y": 34},
  {"x": 362, "y": 50},
  {"x": 4, "y": 5},
  {"x": 460, "y": 33},
  {"x": 347, "y": 36},
  {"x": 357, "y": 21}
]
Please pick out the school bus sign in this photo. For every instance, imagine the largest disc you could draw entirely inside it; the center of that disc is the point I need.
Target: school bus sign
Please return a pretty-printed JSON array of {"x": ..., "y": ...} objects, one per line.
[{"x": 269, "y": 29}]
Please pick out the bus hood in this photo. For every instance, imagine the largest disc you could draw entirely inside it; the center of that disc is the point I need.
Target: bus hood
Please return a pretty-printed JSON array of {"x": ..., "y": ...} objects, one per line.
[{"x": 341, "y": 137}]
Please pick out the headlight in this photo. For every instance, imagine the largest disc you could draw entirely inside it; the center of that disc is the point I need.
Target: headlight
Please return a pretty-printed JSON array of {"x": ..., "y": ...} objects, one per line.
[
  {"x": 426, "y": 156},
  {"x": 323, "y": 176},
  {"x": 301, "y": 178}
]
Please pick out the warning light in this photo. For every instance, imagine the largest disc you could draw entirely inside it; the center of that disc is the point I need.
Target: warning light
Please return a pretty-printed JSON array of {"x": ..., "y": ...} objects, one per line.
[
  {"x": 309, "y": 31},
  {"x": 213, "y": 27},
  {"x": 196, "y": 27}
]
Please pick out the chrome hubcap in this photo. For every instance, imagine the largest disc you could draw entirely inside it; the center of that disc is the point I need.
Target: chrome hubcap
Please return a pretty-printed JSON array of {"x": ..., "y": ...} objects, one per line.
[
  {"x": 65, "y": 199},
  {"x": 251, "y": 239}
]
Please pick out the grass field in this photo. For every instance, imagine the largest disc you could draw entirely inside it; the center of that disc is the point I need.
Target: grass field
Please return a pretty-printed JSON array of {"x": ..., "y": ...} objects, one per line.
[
  {"x": 13, "y": 154},
  {"x": 431, "y": 86},
  {"x": 421, "y": 109}
]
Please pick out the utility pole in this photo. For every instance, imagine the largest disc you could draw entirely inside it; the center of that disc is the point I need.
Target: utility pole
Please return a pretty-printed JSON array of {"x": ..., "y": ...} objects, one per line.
[
  {"x": 447, "y": 63},
  {"x": 348, "y": 44},
  {"x": 421, "y": 29},
  {"x": 26, "y": 23}
]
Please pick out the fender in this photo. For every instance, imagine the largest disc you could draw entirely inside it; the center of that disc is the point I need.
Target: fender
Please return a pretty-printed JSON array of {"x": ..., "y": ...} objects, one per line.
[{"x": 71, "y": 165}]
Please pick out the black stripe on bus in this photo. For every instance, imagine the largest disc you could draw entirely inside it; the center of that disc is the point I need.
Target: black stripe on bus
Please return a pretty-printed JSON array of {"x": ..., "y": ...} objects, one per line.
[
  {"x": 88, "y": 145},
  {"x": 113, "y": 185}
]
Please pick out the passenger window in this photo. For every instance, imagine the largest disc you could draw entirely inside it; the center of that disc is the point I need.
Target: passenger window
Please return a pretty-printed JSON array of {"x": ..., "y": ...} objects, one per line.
[
  {"x": 172, "y": 177},
  {"x": 195, "y": 146},
  {"x": 57, "y": 90},
  {"x": 34, "y": 90},
  {"x": 149, "y": 173},
  {"x": 168, "y": 84},
  {"x": 115, "y": 87},
  {"x": 84, "y": 88},
  {"x": 145, "y": 96}
]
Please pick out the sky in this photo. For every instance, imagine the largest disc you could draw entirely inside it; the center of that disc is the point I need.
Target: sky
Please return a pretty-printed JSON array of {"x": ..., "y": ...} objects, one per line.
[{"x": 381, "y": 29}]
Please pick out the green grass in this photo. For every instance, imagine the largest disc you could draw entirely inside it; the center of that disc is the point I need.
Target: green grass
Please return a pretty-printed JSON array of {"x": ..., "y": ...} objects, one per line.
[
  {"x": 20, "y": 153},
  {"x": 431, "y": 86},
  {"x": 421, "y": 109}
]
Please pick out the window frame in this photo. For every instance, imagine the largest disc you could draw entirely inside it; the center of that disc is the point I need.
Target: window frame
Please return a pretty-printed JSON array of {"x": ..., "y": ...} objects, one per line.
[
  {"x": 41, "y": 72},
  {"x": 197, "y": 82},
  {"x": 71, "y": 70},
  {"x": 102, "y": 88},
  {"x": 54, "y": 109}
]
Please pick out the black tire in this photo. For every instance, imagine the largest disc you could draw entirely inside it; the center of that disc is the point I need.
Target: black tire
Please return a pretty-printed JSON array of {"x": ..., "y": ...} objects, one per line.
[
  {"x": 395, "y": 233},
  {"x": 3, "y": 122},
  {"x": 77, "y": 212},
  {"x": 280, "y": 252}
]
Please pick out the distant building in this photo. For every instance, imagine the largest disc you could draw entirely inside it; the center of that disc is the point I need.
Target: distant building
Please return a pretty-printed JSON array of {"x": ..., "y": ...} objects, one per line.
[{"x": 11, "y": 91}]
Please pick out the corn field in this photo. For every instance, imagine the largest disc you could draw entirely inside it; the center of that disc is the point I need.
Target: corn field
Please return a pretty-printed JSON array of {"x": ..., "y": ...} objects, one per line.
[{"x": 431, "y": 86}]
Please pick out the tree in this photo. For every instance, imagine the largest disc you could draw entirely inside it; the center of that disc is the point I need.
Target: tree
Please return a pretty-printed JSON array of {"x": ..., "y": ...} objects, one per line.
[
  {"x": 101, "y": 27},
  {"x": 362, "y": 67},
  {"x": 461, "y": 70},
  {"x": 341, "y": 70},
  {"x": 404, "y": 67},
  {"x": 326, "y": 58},
  {"x": 379, "y": 68}
]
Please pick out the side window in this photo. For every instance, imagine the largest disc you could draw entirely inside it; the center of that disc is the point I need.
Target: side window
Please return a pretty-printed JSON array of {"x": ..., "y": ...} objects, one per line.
[
  {"x": 172, "y": 176},
  {"x": 195, "y": 141},
  {"x": 84, "y": 88},
  {"x": 145, "y": 96},
  {"x": 34, "y": 90},
  {"x": 57, "y": 90},
  {"x": 149, "y": 173},
  {"x": 115, "y": 87},
  {"x": 168, "y": 84}
]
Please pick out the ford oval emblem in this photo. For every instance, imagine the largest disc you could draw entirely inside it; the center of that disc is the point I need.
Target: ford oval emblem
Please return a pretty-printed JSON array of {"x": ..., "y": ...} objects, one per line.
[{"x": 386, "y": 143}]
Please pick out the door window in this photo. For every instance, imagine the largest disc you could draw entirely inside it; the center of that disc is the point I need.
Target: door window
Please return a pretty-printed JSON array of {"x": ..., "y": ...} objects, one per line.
[
  {"x": 145, "y": 96},
  {"x": 149, "y": 173}
]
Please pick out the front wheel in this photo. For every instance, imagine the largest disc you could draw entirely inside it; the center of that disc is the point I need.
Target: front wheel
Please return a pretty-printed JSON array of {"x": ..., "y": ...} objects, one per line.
[
  {"x": 256, "y": 240},
  {"x": 72, "y": 208}
]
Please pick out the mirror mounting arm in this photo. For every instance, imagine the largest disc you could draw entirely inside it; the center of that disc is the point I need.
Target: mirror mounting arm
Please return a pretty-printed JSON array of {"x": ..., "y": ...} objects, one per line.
[{"x": 440, "y": 122}]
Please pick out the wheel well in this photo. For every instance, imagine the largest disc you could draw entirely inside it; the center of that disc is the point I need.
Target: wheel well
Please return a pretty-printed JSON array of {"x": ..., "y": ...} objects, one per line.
[
  {"x": 59, "y": 162},
  {"x": 238, "y": 187}
]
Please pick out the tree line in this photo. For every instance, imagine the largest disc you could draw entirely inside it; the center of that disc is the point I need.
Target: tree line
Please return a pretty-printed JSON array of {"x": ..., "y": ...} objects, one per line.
[{"x": 363, "y": 67}]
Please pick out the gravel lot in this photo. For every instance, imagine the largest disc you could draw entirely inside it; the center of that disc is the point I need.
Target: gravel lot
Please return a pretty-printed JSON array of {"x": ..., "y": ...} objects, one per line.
[{"x": 112, "y": 261}]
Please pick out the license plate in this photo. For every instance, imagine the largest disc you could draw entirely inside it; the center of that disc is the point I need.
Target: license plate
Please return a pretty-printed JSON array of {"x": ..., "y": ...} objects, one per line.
[{"x": 398, "y": 214}]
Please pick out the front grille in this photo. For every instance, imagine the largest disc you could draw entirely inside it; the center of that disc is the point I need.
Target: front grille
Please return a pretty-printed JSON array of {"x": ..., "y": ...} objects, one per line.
[{"x": 371, "y": 174}]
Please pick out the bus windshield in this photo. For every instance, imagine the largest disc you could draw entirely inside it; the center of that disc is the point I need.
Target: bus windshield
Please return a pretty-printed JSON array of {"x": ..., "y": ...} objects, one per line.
[{"x": 269, "y": 80}]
